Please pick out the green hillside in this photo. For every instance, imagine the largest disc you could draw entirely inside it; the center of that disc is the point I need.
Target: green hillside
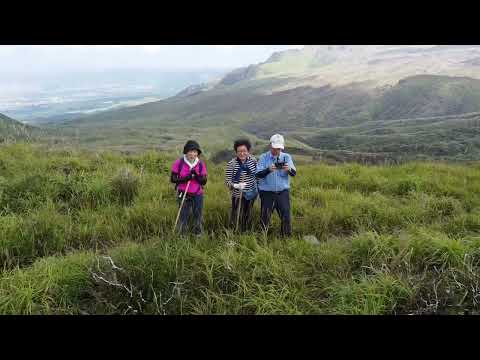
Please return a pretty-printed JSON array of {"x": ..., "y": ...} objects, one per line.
[
  {"x": 12, "y": 130},
  {"x": 427, "y": 96},
  {"x": 448, "y": 138},
  {"x": 420, "y": 117},
  {"x": 91, "y": 233},
  {"x": 323, "y": 98}
]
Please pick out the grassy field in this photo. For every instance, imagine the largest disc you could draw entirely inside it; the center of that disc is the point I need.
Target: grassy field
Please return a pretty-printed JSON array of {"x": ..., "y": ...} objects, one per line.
[{"x": 91, "y": 233}]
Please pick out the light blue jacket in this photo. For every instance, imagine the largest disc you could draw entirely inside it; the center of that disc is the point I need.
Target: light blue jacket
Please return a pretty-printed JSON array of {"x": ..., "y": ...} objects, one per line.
[{"x": 278, "y": 180}]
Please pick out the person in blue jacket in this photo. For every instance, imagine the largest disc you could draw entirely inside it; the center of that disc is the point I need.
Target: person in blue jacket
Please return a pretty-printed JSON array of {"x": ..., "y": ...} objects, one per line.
[{"x": 274, "y": 169}]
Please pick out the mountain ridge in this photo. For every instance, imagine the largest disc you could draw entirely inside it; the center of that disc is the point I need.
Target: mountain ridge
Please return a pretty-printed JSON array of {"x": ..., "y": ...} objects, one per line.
[{"x": 311, "y": 90}]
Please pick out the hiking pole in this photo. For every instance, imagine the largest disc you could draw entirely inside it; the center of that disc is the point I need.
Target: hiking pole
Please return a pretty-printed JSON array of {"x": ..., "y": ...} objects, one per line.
[
  {"x": 239, "y": 207},
  {"x": 181, "y": 206}
]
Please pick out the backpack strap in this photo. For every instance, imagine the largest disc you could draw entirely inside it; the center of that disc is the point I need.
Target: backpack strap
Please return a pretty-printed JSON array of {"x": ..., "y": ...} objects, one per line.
[
  {"x": 180, "y": 166},
  {"x": 200, "y": 169}
]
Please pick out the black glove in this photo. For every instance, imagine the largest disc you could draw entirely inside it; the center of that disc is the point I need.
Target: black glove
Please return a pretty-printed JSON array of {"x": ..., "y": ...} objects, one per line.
[
  {"x": 188, "y": 177},
  {"x": 193, "y": 174}
]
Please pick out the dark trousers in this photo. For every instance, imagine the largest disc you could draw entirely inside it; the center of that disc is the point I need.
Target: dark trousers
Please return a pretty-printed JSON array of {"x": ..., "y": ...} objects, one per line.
[
  {"x": 193, "y": 204},
  {"x": 276, "y": 201},
  {"x": 245, "y": 222}
]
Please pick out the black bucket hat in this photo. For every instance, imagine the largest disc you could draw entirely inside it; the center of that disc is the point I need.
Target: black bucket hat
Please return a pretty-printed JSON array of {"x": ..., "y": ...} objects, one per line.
[{"x": 191, "y": 145}]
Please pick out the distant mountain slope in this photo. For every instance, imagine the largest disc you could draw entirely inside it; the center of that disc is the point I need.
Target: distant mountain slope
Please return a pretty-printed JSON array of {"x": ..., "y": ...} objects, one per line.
[
  {"x": 305, "y": 106},
  {"x": 455, "y": 137},
  {"x": 316, "y": 92},
  {"x": 425, "y": 95},
  {"x": 11, "y": 129},
  {"x": 266, "y": 86},
  {"x": 379, "y": 64}
]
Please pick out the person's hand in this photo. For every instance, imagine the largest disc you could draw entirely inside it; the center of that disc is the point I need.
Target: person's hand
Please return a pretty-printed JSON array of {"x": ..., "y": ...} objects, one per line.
[
  {"x": 188, "y": 177},
  {"x": 239, "y": 186},
  {"x": 273, "y": 167},
  {"x": 286, "y": 167}
]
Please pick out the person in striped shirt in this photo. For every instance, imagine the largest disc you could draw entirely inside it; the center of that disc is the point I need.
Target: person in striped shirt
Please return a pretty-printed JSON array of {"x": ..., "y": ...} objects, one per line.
[{"x": 240, "y": 179}]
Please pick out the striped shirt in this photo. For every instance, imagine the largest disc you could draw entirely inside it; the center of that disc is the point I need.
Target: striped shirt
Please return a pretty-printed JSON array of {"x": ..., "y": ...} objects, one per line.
[{"x": 250, "y": 180}]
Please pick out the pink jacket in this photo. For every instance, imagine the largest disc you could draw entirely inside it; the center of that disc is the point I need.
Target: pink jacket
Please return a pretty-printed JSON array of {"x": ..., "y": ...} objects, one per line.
[{"x": 195, "y": 188}]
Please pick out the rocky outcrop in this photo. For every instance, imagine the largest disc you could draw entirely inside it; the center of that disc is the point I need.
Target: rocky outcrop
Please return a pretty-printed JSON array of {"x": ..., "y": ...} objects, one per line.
[
  {"x": 194, "y": 90},
  {"x": 238, "y": 75}
]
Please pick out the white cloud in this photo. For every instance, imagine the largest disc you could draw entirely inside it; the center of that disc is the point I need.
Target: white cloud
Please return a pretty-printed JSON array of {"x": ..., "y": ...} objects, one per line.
[
  {"x": 6, "y": 50},
  {"x": 225, "y": 47},
  {"x": 153, "y": 49},
  {"x": 75, "y": 47},
  {"x": 18, "y": 60}
]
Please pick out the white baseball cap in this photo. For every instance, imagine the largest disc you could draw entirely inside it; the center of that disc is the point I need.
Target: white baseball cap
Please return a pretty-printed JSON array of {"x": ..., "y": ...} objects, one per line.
[{"x": 277, "y": 141}]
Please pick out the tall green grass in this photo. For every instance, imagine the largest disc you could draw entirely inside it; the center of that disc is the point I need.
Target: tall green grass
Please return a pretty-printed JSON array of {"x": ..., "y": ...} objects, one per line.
[{"x": 91, "y": 233}]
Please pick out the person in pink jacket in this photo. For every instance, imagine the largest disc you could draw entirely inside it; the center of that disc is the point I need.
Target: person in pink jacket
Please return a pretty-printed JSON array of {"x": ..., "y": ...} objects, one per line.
[{"x": 190, "y": 170}]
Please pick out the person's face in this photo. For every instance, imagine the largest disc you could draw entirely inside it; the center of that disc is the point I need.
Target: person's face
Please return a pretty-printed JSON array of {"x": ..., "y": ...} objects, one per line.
[
  {"x": 242, "y": 152},
  {"x": 275, "y": 152},
  {"x": 192, "y": 155}
]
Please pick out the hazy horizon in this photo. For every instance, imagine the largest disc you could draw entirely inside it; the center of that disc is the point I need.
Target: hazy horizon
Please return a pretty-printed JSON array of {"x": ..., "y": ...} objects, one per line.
[
  {"x": 50, "y": 59},
  {"x": 39, "y": 80}
]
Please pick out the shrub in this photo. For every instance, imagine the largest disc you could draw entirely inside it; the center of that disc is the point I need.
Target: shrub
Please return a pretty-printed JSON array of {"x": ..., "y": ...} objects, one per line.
[{"x": 125, "y": 186}]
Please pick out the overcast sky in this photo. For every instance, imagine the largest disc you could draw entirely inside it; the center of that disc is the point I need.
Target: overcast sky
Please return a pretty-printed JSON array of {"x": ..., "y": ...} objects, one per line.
[{"x": 48, "y": 59}]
